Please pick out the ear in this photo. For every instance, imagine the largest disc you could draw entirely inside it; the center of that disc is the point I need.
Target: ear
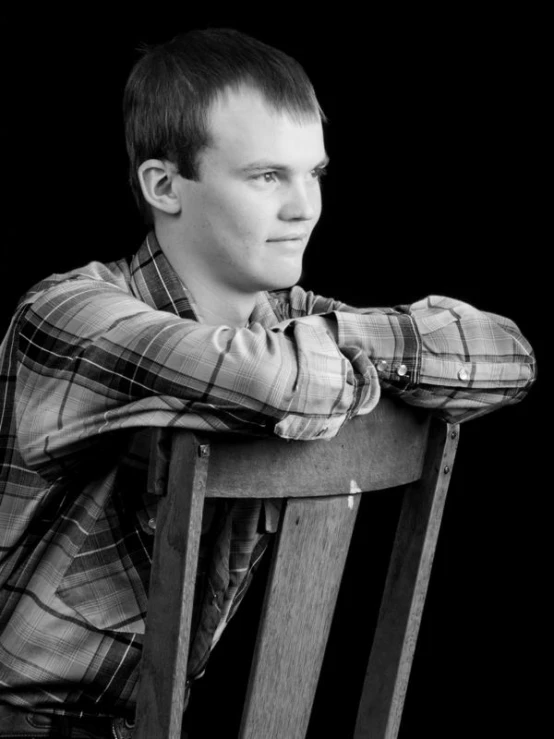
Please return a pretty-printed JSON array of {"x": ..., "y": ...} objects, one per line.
[{"x": 157, "y": 182}]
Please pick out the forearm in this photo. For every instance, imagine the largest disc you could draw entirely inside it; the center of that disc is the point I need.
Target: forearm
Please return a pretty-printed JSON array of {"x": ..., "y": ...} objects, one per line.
[
  {"x": 94, "y": 360},
  {"x": 444, "y": 355},
  {"x": 438, "y": 353}
]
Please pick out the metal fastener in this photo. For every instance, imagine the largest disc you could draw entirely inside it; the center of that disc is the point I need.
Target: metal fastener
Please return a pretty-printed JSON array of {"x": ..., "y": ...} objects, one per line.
[
  {"x": 204, "y": 450},
  {"x": 454, "y": 434},
  {"x": 446, "y": 470}
]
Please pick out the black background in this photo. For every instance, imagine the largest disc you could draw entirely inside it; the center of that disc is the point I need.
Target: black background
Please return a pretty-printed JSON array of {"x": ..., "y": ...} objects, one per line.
[{"x": 437, "y": 138}]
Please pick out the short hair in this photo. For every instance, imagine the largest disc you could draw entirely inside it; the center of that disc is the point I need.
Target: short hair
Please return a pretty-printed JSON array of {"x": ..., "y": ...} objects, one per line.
[{"x": 171, "y": 88}]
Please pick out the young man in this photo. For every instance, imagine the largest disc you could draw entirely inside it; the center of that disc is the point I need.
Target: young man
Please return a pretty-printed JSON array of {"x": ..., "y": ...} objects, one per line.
[{"x": 202, "y": 329}]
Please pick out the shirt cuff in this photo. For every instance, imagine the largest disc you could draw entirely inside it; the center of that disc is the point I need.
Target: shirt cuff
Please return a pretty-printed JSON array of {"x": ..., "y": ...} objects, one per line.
[{"x": 390, "y": 341}]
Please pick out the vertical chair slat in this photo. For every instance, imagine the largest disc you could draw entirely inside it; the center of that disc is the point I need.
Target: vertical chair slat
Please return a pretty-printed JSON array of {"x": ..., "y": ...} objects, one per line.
[
  {"x": 165, "y": 651},
  {"x": 304, "y": 581},
  {"x": 403, "y": 599}
]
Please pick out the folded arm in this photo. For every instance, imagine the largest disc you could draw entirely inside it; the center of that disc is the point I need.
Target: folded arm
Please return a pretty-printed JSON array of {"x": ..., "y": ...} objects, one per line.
[
  {"x": 438, "y": 353},
  {"x": 93, "y": 359}
]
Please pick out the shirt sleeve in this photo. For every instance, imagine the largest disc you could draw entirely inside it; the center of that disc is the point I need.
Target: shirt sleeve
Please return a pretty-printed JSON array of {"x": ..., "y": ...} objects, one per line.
[
  {"x": 93, "y": 359},
  {"x": 438, "y": 353}
]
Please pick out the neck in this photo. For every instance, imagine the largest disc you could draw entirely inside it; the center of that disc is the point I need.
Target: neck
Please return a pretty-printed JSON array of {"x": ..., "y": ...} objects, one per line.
[{"x": 214, "y": 304}]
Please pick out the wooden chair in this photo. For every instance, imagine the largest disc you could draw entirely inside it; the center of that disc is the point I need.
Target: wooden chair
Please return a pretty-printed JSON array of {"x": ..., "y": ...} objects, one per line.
[{"x": 322, "y": 482}]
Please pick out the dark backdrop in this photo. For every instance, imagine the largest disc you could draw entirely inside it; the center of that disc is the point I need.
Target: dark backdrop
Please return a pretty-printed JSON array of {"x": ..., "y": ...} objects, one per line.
[{"x": 436, "y": 137}]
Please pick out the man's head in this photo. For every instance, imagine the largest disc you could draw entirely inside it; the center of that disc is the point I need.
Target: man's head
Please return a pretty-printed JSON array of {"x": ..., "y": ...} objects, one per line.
[
  {"x": 172, "y": 88},
  {"x": 226, "y": 149}
]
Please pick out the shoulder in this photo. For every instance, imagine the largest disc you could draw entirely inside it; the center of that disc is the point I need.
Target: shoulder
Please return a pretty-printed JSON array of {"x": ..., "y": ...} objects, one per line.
[{"x": 93, "y": 276}]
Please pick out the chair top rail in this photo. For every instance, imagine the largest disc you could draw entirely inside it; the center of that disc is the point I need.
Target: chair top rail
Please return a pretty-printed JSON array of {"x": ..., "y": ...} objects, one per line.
[{"x": 380, "y": 450}]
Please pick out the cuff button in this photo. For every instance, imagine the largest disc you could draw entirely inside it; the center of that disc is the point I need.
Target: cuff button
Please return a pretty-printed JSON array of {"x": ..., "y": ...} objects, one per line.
[{"x": 401, "y": 370}]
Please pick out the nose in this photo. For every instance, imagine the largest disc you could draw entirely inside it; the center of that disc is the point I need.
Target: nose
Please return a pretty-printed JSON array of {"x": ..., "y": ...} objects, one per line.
[{"x": 302, "y": 203}]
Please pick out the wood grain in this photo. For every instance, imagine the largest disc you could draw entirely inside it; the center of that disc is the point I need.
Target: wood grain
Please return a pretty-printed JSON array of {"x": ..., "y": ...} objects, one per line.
[
  {"x": 321, "y": 481},
  {"x": 391, "y": 657},
  {"x": 165, "y": 651},
  {"x": 298, "y": 608},
  {"x": 380, "y": 450}
]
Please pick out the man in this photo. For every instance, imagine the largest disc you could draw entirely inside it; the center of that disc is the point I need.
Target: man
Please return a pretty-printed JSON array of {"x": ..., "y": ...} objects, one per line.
[{"x": 202, "y": 329}]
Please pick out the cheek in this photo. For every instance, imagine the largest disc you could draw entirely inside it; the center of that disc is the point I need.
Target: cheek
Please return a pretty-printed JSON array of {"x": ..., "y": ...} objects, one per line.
[
  {"x": 245, "y": 217},
  {"x": 317, "y": 204}
]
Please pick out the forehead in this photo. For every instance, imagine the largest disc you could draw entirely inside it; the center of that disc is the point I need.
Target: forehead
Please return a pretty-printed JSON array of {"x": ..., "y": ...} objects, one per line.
[{"x": 244, "y": 127}]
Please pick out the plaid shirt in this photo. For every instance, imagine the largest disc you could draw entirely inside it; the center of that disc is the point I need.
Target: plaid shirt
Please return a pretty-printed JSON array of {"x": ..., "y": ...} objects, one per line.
[{"x": 94, "y": 359}]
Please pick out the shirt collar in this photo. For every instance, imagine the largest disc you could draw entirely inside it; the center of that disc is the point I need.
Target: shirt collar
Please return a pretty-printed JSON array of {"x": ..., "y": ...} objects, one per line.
[{"x": 155, "y": 282}]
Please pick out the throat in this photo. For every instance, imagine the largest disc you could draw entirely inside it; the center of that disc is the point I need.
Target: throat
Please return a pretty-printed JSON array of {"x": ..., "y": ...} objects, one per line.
[
  {"x": 220, "y": 308},
  {"x": 229, "y": 314}
]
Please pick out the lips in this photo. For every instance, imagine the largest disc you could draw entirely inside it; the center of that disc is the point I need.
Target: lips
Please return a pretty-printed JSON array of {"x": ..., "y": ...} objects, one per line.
[{"x": 290, "y": 237}]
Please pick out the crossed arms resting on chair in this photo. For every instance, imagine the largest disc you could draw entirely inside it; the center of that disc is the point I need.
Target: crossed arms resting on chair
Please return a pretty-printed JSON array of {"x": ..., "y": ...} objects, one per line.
[{"x": 95, "y": 356}]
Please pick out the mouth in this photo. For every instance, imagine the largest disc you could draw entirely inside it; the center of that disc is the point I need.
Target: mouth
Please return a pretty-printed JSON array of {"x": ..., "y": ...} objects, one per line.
[{"x": 290, "y": 237}]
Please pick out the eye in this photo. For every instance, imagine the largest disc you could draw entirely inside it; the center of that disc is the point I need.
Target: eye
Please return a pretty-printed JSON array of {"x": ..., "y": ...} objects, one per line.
[
  {"x": 267, "y": 177},
  {"x": 319, "y": 173}
]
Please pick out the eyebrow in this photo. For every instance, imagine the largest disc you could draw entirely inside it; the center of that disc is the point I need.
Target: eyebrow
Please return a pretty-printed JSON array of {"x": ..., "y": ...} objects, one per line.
[{"x": 264, "y": 164}]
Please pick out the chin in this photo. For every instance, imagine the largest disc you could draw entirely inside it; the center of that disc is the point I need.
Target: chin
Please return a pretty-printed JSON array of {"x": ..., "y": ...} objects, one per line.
[
  {"x": 282, "y": 281},
  {"x": 284, "y": 275}
]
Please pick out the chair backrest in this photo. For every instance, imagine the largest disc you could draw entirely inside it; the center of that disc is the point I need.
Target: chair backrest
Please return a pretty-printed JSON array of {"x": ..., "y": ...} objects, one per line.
[{"x": 321, "y": 482}]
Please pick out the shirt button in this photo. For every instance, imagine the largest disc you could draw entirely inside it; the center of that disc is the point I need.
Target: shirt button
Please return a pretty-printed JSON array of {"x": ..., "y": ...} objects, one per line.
[
  {"x": 401, "y": 370},
  {"x": 381, "y": 365},
  {"x": 463, "y": 374},
  {"x": 152, "y": 524}
]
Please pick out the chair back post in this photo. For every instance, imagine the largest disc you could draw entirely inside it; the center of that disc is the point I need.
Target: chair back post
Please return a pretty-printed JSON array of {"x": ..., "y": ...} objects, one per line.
[
  {"x": 393, "y": 647},
  {"x": 163, "y": 672}
]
